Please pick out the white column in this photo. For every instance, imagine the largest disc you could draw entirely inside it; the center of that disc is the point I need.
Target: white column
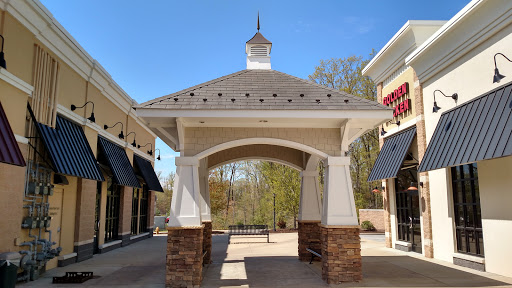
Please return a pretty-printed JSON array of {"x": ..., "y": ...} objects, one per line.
[
  {"x": 204, "y": 188},
  {"x": 186, "y": 198},
  {"x": 339, "y": 207},
  {"x": 310, "y": 205}
]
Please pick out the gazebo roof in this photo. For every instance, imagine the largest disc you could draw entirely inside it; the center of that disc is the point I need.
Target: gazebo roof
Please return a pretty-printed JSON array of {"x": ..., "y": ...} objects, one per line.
[{"x": 260, "y": 90}]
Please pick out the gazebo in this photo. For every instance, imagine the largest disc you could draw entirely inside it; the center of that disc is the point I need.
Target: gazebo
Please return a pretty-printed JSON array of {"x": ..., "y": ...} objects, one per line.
[{"x": 260, "y": 113}]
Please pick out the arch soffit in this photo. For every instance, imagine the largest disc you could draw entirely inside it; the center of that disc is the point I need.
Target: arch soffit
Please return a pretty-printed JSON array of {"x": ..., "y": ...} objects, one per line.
[
  {"x": 279, "y": 161},
  {"x": 268, "y": 141}
]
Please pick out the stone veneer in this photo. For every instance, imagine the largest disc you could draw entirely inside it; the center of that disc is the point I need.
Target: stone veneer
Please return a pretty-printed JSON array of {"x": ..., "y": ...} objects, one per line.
[
  {"x": 184, "y": 257},
  {"x": 341, "y": 254},
  {"x": 207, "y": 242},
  {"x": 309, "y": 237}
]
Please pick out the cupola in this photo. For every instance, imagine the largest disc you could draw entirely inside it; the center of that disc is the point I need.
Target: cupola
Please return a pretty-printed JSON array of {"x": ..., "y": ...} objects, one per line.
[{"x": 258, "y": 51}]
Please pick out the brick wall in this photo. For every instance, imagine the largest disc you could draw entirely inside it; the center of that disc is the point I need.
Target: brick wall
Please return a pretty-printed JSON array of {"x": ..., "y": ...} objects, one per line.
[
  {"x": 376, "y": 216},
  {"x": 125, "y": 214},
  {"x": 11, "y": 211},
  {"x": 198, "y": 139}
]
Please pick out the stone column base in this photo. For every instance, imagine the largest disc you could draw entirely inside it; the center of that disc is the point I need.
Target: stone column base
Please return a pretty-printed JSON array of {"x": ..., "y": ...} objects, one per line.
[
  {"x": 207, "y": 242},
  {"x": 341, "y": 254},
  {"x": 184, "y": 257},
  {"x": 309, "y": 237}
]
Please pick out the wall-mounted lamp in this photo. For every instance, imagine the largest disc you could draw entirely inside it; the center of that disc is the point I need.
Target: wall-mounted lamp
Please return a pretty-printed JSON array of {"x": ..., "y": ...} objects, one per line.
[
  {"x": 376, "y": 190},
  {"x": 497, "y": 76},
  {"x": 413, "y": 187},
  {"x": 150, "y": 152},
  {"x": 436, "y": 108},
  {"x": 2, "y": 58},
  {"x": 91, "y": 118},
  {"x": 421, "y": 184},
  {"x": 158, "y": 157},
  {"x": 382, "y": 132},
  {"x": 134, "y": 144},
  {"x": 121, "y": 135}
]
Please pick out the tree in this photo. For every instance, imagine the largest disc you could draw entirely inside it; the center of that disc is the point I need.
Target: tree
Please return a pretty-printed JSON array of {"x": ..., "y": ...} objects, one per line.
[
  {"x": 345, "y": 74},
  {"x": 163, "y": 200}
]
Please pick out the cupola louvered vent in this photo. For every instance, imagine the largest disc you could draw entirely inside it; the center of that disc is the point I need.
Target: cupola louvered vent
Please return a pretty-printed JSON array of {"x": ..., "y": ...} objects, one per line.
[{"x": 259, "y": 51}]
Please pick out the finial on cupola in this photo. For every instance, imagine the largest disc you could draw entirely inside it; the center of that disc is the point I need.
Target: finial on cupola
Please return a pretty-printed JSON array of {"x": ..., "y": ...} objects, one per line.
[
  {"x": 258, "y": 21},
  {"x": 258, "y": 50}
]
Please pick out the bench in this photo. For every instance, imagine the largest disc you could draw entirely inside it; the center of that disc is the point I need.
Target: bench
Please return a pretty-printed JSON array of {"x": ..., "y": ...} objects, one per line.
[
  {"x": 314, "y": 254},
  {"x": 248, "y": 230}
]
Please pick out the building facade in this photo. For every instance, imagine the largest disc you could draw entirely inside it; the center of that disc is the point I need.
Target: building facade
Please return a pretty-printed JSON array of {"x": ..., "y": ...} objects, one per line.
[
  {"x": 77, "y": 164},
  {"x": 465, "y": 160}
]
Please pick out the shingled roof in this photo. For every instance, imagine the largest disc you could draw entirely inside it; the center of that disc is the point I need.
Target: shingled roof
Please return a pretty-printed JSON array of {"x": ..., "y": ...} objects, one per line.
[
  {"x": 258, "y": 39},
  {"x": 261, "y": 90}
]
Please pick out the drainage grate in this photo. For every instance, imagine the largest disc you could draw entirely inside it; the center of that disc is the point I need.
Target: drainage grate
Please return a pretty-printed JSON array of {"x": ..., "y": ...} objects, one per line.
[{"x": 73, "y": 277}]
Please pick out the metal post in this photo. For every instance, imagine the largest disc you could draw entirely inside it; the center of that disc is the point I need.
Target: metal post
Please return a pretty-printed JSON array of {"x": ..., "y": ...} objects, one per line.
[{"x": 274, "y": 211}]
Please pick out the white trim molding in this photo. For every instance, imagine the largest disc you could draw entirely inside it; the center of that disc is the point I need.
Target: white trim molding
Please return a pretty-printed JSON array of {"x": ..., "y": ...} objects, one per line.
[
  {"x": 21, "y": 139},
  {"x": 15, "y": 81}
]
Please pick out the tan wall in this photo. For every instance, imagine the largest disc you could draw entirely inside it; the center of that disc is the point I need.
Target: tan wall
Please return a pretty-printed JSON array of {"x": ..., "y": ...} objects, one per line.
[
  {"x": 92, "y": 138},
  {"x": 143, "y": 136},
  {"x": 376, "y": 216},
  {"x": 125, "y": 213},
  {"x": 495, "y": 199},
  {"x": 14, "y": 102},
  {"x": 67, "y": 239},
  {"x": 406, "y": 76},
  {"x": 71, "y": 89},
  {"x": 285, "y": 154},
  {"x": 11, "y": 195},
  {"x": 199, "y": 139},
  {"x": 18, "y": 48},
  {"x": 85, "y": 205}
]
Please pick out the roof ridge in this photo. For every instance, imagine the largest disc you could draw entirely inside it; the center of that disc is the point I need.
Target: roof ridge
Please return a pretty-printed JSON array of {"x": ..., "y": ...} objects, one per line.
[{"x": 207, "y": 83}]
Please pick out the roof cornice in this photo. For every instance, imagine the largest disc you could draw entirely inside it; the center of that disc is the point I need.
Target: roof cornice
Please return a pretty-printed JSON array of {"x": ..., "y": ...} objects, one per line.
[
  {"x": 393, "y": 54},
  {"x": 474, "y": 24}
]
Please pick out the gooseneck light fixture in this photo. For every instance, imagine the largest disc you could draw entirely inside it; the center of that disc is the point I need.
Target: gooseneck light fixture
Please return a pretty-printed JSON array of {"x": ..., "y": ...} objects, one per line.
[
  {"x": 134, "y": 144},
  {"x": 158, "y": 157},
  {"x": 150, "y": 152},
  {"x": 382, "y": 131},
  {"x": 437, "y": 108},
  {"x": 121, "y": 135},
  {"x": 497, "y": 75},
  {"x": 2, "y": 58},
  {"x": 91, "y": 118}
]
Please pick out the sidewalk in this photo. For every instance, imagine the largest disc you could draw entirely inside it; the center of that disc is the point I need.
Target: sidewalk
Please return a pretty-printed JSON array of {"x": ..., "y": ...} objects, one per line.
[{"x": 251, "y": 262}]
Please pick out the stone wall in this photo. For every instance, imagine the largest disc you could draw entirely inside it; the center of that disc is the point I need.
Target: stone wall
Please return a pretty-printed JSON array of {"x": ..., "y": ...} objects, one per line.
[
  {"x": 376, "y": 216},
  {"x": 309, "y": 237},
  {"x": 207, "y": 242},
  {"x": 341, "y": 254},
  {"x": 184, "y": 257}
]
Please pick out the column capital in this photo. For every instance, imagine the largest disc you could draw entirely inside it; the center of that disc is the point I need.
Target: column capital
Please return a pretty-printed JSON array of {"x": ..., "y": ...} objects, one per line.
[
  {"x": 337, "y": 161},
  {"x": 186, "y": 161}
]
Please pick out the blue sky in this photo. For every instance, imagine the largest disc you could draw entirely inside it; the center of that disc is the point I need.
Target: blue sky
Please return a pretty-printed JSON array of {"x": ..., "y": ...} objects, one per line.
[{"x": 153, "y": 48}]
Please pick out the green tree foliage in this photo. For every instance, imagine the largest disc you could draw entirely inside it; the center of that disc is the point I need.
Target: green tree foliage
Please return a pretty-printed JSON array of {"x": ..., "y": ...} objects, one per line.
[
  {"x": 345, "y": 74},
  {"x": 163, "y": 200}
]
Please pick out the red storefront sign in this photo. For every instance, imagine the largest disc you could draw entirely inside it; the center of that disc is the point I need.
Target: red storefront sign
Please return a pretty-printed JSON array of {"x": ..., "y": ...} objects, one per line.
[{"x": 393, "y": 96}]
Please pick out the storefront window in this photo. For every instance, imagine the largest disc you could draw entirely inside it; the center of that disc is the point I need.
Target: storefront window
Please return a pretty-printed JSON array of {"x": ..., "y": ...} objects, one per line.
[
  {"x": 143, "y": 222},
  {"x": 112, "y": 213},
  {"x": 135, "y": 210},
  {"x": 468, "y": 218},
  {"x": 408, "y": 208}
]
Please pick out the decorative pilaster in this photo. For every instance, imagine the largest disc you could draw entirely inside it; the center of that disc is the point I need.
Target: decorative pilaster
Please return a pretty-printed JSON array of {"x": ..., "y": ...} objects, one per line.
[
  {"x": 341, "y": 254},
  {"x": 207, "y": 242},
  {"x": 309, "y": 237},
  {"x": 185, "y": 209},
  {"x": 204, "y": 188}
]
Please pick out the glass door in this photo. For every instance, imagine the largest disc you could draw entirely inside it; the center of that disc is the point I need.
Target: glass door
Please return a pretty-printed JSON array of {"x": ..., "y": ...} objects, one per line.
[{"x": 408, "y": 208}]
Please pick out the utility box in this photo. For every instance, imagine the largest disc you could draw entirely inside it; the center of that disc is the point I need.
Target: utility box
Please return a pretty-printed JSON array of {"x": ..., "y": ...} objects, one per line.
[
  {"x": 30, "y": 222},
  {"x": 8, "y": 270}
]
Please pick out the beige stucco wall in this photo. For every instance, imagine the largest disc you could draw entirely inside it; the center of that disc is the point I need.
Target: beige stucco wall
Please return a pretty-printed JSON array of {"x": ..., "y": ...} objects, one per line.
[
  {"x": 143, "y": 137},
  {"x": 14, "y": 101},
  {"x": 18, "y": 48},
  {"x": 199, "y": 139},
  {"x": 406, "y": 76},
  {"x": 67, "y": 239},
  {"x": 495, "y": 200},
  {"x": 470, "y": 76}
]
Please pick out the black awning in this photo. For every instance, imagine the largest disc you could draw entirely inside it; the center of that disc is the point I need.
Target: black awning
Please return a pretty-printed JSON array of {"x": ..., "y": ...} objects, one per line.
[
  {"x": 392, "y": 155},
  {"x": 477, "y": 130},
  {"x": 9, "y": 150},
  {"x": 147, "y": 173},
  {"x": 69, "y": 150},
  {"x": 119, "y": 163}
]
